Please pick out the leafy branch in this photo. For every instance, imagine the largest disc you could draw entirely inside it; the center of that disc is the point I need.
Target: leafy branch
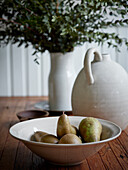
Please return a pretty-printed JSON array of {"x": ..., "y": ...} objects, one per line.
[{"x": 60, "y": 25}]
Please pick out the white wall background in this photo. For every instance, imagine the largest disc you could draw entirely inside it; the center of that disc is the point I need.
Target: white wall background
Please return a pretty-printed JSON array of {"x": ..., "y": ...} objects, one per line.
[{"x": 21, "y": 76}]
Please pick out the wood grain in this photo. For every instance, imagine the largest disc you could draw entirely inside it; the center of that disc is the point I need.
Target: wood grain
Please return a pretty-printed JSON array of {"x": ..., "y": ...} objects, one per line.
[
  {"x": 14, "y": 155},
  {"x": 95, "y": 162},
  {"x": 120, "y": 153},
  {"x": 109, "y": 159}
]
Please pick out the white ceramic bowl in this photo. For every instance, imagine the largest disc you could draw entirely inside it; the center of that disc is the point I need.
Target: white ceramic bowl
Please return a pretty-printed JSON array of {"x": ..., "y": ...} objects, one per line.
[{"x": 62, "y": 154}]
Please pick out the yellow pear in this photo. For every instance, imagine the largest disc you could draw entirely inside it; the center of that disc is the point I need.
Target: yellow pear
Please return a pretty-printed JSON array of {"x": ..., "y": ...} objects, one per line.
[{"x": 64, "y": 126}]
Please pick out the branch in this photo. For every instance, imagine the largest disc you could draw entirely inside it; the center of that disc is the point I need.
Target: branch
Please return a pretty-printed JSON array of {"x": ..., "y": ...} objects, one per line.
[
  {"x": 28, "y": 10},
  {"x": 57, "y": 5},
  {"x": 29, "y": 28}
]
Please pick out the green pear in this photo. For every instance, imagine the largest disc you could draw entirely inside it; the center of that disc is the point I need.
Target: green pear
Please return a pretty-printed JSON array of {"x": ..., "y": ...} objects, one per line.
[
  {"x": 90, "y": 129},
  {"x": 64, "y": 126}
]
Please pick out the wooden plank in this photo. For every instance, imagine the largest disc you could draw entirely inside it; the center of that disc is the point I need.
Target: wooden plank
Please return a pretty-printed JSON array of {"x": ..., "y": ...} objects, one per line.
[
  {"x": 48, "y": 166},
  {"x": 9, "y": 70},
  {"x": 8, "y": 102},
  {"x": 17, "y": 71},
  {"x": 109, "y": 159},
  {"x": 39, "y": 76},
  {"x": 9, "y": 115},
  {"x": 122, "y": 56},
  {"x": 8, "y": 143},
  {"x": 120, "y": 153},
  {"x": 32, "y": 71},
  {"x": 95, "y": 162},
  {"x": 25, "y": 155},
  {"x": 24, "y": 70},
  {"x": 4, "y": 72},
  {"x": 82, "y": 166},
  {"x": 124, "y": 141},
  {"x": 5, "y": 121},
  {"x": 38, "y": 162},
  {"x": 126, "y": 130},
  {"x": 8, "y": 156}
]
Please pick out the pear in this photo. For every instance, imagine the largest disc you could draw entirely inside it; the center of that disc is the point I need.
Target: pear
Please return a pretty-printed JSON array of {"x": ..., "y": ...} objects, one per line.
[
  {"x": 70, "y": 139},
  {"x": 64, "y": 126},
  {"x": 38, "y": 135},
  {"x": 90, "y": 129},
  {"x": 74, "y": 130},
  {"x": 49, "y": 138}
]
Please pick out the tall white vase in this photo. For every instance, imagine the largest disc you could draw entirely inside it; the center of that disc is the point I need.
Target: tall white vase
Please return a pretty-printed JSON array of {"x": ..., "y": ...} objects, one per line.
[{"x": 61, "y": 79}]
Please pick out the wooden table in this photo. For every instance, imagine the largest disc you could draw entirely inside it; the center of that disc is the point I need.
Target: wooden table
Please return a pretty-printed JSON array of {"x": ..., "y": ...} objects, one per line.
[{"x": 15, "y": 156}]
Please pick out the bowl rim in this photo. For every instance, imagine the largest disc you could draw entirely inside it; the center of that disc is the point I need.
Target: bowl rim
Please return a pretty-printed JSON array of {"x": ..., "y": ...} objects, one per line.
[{"x": 61, "y": 145}]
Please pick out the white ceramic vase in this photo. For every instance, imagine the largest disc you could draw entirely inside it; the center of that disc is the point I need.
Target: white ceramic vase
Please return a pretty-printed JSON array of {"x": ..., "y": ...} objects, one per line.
[
  {"x": 101, "y": 89},
  {"x": 61, "y": 79}
]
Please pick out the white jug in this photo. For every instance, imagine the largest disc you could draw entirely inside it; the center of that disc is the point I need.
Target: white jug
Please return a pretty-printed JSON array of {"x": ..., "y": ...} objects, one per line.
[{"x": 101, "y": 89}]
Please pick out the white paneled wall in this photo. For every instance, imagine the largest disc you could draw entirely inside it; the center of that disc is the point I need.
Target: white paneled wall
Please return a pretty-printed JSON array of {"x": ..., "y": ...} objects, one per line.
[{"x": 21, "y": 76}]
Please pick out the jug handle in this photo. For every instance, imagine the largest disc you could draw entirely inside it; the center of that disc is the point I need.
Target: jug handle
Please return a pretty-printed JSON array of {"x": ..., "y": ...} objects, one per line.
[{"x": 87, "y": 63}]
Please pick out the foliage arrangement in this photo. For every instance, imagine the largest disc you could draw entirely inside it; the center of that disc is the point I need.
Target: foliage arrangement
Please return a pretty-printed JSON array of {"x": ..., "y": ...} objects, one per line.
[{"x": 60, "y": 25}]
